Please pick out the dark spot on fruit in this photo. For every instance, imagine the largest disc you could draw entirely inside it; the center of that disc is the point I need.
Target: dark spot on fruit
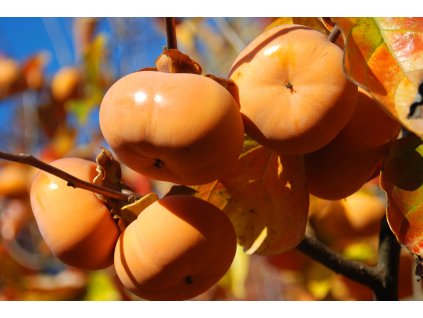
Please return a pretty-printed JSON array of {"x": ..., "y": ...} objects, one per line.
[
  {"x": 188, "y": 280},
  {"x": 158, "y": 163},
  {"x": 289, "y": 86}
]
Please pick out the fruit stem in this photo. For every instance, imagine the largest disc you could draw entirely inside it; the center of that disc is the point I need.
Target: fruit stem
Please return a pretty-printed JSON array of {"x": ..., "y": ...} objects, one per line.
[
  {"x": 171, "y": 42},
  {"x": 334, "y": 34},
  {"x": 30, "y": 160}
]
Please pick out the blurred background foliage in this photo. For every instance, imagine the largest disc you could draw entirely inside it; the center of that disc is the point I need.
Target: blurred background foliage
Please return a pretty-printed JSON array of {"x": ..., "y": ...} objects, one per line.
[{"x": 53, "y": 75}]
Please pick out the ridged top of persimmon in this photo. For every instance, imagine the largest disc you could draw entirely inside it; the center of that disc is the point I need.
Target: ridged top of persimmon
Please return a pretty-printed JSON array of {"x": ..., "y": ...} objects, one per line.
[
  {"x": 179, "y": 127},
  {"x": 292, "y": 89}
]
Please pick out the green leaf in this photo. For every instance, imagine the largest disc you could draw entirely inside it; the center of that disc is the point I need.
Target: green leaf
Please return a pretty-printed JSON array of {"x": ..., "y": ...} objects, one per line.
[{"x": 101, "y": 287}]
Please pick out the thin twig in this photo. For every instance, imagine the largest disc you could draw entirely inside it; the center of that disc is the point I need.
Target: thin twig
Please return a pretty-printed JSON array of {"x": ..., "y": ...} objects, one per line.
[
  {"x": 171, "y": 42},
  {"x": 30, "y": 160}
]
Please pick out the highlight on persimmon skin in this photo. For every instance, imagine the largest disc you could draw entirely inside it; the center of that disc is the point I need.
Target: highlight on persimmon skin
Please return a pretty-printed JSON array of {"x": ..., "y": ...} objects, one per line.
[
  {"x": 293, "y": 93},
  {"x": 177, "y": 127},
  {"x": 355, "y": 155},
  {"x": 176, "y": 249},
  {"x": 77, "y": 227}
]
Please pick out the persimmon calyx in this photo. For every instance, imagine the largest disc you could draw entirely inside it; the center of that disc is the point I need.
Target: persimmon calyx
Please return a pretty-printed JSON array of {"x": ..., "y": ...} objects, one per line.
[
  {"x": 229, "y": 84},
  {"x": 174, "y": 61},
  {"x": 110, "y": 176}
]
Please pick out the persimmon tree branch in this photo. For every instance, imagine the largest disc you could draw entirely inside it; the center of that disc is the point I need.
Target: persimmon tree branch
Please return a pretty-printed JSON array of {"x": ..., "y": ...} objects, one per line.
[
  {"x": 171, "y": 42},
  {"x": 354, "y": 270},
  {"x": 382, "y": 278},
  {"x": 30, "y": 160},
  {"x": 388, "y": 263}
]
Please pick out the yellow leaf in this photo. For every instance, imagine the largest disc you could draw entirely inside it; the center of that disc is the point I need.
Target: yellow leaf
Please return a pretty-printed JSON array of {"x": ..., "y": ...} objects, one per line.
[
  {"x": 266, "y": 198},
  {"x": 138, "y": 206},
  {"x": 236, "y": 277}
]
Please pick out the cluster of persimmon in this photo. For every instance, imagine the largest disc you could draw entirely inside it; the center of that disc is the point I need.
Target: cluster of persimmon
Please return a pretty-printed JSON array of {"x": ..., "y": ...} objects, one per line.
[{"x": 287, "y": 90}]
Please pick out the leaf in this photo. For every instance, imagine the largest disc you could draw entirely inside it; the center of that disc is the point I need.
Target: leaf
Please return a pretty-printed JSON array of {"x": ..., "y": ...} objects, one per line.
[
  {"x": 402, "y": 180},
  {"x": 266, "y": 198},
  {"x": 101, "y": 287},
  {"x": 130, "y": 211},
  {"x": 109, "y": 171},
  {"x": 94, "y": 58},
  {"x": 385, "y": 56},
  {"x": 235, "y": 279},
  {"x": 82, "y": 107}
]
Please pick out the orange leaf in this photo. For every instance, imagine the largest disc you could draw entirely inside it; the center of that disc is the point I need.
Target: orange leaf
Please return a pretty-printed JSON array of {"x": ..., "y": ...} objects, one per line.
[
  {"x": 385, "y": 56},
  {"x": 266, "y": 198},
  {"x": 402, "y": 180}
]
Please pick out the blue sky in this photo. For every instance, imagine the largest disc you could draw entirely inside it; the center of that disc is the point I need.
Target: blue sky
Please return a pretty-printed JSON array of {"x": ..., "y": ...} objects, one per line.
[{"x": 21, "y": 38}]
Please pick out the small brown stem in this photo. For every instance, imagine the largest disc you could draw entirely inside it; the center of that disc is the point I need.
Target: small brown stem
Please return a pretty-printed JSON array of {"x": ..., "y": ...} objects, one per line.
[
  {"x": 30, "y": 160},
  {"x": 334, "y": 34},
  {"x": 171, "y": 42}
]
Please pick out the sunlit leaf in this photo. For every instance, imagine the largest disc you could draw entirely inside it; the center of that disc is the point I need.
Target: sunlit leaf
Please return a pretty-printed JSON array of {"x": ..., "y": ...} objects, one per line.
[
  {"x": 130, "y": 211},
  {"x": 101, "y": 287},
  {"x": 82, "y": 108},
  {"x": 385, "y": 56},
  {"x": 266, "y": 198},
  {"x": 236, "y": 278},
  {"x": 402, "y": 180},
  {"x": 94, "y": 57}
]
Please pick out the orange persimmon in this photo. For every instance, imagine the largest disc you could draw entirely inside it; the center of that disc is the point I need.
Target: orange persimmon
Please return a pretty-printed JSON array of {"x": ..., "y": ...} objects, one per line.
[
  {"x": 177, "y": 127},
  {"x": 293, "y": 93},
  {"x": 77, "y": 227},
  {"x": 176, "y": 249},
  {"x": 355, "y": 155}
]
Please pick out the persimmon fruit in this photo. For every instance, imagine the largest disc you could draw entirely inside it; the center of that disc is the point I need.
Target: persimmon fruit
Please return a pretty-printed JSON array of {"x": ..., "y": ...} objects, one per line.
[
  {"x": 77, "y": 227},
  {"x": 66, "y": 83},
  {"x": 356, "y": 216},
  {"x": 178, "y": 127},
  {"x": 293, "y": 93},
  {"x": 9, "y": 73},
  {"x": 13, "y": 179},
  {"x": 177, "y": 248},
  {"x": 355, "y": 155}
]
